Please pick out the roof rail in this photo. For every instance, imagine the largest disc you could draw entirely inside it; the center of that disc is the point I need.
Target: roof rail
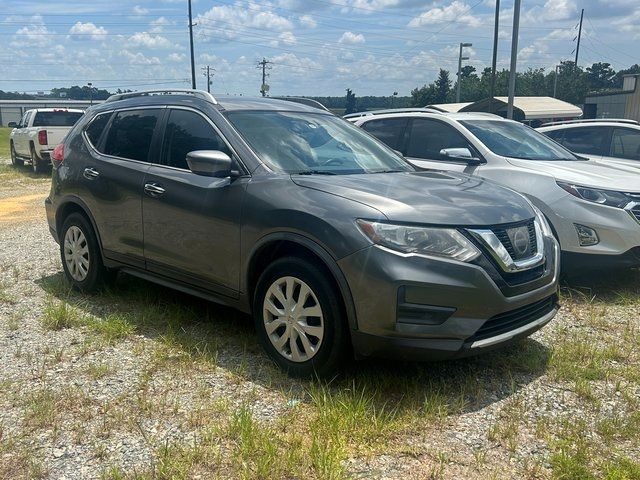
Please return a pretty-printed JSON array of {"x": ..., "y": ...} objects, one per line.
[
  {"x": 391, "y": 110},
  {"x": 167, "y": 91},
  {"x": 591, "y": 120}
]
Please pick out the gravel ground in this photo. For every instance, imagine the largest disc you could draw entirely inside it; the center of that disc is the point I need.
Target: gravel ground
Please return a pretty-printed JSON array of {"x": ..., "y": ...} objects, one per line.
[{"x": 79, "y": 402}]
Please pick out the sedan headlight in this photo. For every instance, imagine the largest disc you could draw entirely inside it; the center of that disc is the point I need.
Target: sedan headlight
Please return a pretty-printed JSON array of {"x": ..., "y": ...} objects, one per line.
[
  {"x": 603, "y": 197},
  {"x": 441, "y": 242}
]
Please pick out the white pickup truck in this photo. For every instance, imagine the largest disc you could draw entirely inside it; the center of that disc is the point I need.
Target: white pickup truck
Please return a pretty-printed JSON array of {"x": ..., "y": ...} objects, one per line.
[{"x": 33, "y": 139}]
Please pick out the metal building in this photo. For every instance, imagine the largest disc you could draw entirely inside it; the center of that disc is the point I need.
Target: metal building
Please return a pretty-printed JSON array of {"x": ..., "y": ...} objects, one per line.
[
  {"x": 623, "y": 103},
  {"x": 12, "y": 110}
]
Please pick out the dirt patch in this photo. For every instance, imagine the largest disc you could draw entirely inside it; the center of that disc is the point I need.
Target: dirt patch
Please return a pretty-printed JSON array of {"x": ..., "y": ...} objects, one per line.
[{"x": 22, "y": 208}]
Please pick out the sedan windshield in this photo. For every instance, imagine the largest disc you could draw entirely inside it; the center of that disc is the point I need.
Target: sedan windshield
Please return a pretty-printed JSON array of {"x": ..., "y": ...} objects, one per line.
[
  {"x": 310, "y": 143},
  {"x": 515, "y": 140}
]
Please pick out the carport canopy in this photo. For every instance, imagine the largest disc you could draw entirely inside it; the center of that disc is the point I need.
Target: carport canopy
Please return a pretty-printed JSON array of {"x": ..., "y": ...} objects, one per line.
[{"x": 527, "y": 108}]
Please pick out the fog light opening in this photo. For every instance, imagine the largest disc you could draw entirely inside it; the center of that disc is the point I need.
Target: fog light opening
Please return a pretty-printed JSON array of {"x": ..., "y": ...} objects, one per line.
[{"x": 586, "y": 236}]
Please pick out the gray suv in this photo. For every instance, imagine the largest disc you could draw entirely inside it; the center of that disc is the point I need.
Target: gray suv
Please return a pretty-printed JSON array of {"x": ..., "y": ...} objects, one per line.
[{"x": 331, "y": 240}]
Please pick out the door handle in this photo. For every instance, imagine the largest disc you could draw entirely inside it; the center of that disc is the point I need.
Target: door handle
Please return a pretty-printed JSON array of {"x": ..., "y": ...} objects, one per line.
[
  {"x": 153, "y": 189},
  {"x": 90, "y": 173}
]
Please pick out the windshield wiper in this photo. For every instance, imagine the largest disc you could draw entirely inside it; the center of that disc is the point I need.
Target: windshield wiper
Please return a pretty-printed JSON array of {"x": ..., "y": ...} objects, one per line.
[
  {"x": 315, "y": 172},
  {"x": 388, "y": 171}
]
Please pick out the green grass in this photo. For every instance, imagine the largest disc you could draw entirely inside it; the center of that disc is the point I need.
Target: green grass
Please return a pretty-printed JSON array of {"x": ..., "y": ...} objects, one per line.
[{"x": 4, "y": 142}]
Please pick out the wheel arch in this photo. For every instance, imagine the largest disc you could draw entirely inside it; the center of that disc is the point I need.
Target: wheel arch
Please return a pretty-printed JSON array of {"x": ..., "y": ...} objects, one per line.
[
  {"x": 278, "y": 245},
  {"x": 75, "y": 205}
]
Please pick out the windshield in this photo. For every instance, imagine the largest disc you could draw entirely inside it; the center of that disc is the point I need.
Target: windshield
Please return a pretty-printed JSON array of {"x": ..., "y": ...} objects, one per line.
[
  {"x": 56, "y": 119},
  {"x": 516, "y": 140},
  {"x": 295, "y": 142}
]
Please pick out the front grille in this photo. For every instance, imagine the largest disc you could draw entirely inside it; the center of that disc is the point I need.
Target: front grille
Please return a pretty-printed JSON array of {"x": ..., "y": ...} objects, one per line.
[
  {"x": 503, "y": 236},
  {"x": 505, "y": 322},
  {"x": 636, "y": 212}
]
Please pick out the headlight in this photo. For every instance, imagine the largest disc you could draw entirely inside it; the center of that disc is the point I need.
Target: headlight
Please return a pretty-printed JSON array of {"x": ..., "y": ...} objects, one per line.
[
  {"x": 603, "y": 197},
  {"x": 441, "y": 242},
  {"x": 542, "y": 221}
]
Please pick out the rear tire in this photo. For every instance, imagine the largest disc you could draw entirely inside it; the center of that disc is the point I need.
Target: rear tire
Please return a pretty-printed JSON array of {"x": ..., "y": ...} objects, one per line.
[
  {"x": 15, "y": 161},
  {"x": 80, "y": 255},
  {"x": 304, "y": 336},
  {"x": 38, "y": 165}
]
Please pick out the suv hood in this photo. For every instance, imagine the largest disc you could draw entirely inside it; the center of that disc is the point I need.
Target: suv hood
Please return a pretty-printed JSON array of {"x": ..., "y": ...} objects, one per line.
[
  {"x": 587, "y": 173},
  {"x": 439, "y": 198}
]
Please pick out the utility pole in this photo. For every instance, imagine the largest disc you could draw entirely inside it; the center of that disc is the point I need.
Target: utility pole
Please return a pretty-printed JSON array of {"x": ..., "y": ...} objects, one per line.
[
  {"x": 207, "y": 72},
  {"x": 264, "y": 64},
  {"x": 555, "y": 82},
  {"x": 579, "y": 36},
  {"x": 90, "y": 85},
  {"x": 514, "y": 57},
  {"x": 460, "y": 58},
  {"x": 193, "y": 64},
  {"x": 494, "y": 59}
]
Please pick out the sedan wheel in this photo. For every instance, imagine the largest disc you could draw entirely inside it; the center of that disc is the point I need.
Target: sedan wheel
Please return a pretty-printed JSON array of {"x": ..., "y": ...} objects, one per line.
[
  {"x": 76, "y": 253},
  {"x": 293, "y": 319}
]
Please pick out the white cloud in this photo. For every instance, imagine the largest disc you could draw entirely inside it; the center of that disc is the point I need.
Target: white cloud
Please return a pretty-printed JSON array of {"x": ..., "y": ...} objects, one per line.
[
  {"x": 32, "y": 36},
  {"x": 138, "y": 58},
  {"x": 176, "y": 57},
  {"x": 138, "y": 10},
  {"x": 229, "y": 21},
  {"x": 351, "y": 38},
  {"x": 157, "y": 25},
  {"x": 87, "y": 31},
  {"x": 145, "y": 39},
  {"x": 308, "y": 21},
  {"x": 456, "y": 11},
  {"x": 288, "y": 38}
]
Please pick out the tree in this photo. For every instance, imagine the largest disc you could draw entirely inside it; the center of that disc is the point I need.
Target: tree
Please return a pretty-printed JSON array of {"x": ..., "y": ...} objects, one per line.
[
  {"x": 350, "y": 105},
  {"x": 600, "y": 76},
  {"x": 423, "y": 96},
  {"x": 443, "y": 87}
]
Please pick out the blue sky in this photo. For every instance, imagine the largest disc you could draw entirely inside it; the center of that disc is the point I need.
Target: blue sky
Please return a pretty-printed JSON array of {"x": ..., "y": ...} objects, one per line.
[{"x": 318, "y": 47}]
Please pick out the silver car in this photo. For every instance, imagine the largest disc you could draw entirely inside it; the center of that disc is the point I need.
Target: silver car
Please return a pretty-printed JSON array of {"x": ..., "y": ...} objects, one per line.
[
  {"x": 593, "y": 208},
  {"x": 613, "y": 141}
]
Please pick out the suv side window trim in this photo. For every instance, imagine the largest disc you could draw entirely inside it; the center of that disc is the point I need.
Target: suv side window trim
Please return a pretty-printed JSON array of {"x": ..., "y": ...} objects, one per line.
[
  {"x": 235, "y": 155},
  {"x": 461, "y": 132},
  {"x": 114, "y": 112},
  {"x": 96, "y": 148}
]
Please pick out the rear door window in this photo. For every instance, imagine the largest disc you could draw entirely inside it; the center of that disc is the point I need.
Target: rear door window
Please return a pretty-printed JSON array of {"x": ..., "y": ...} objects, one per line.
[
  {"x": 131, "y": 133},
  {"x": 389, "y": 130},
  {"x": 56, "y": 119},
  {"x": 625, "y": 143},
  {"x": 587, "y": 140},
  {"x": 96, "y": 127},
  {"x": 186, "y": 132},
  {"x": 427, "y": 137}
]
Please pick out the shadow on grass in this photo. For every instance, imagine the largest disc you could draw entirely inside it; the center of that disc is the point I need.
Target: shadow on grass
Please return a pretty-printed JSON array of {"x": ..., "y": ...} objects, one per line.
[
  {"x": 225, "y": 338},
  {"x": 621, "y": 285},
  {"x": 9, "y": 171}
]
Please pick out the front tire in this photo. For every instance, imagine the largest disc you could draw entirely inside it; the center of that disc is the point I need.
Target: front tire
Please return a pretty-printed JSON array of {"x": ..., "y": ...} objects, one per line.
[
  {"x": 15, "y": 161},
  {"x": 80, "y": 254},
  {"x": 299, "y": 318}
]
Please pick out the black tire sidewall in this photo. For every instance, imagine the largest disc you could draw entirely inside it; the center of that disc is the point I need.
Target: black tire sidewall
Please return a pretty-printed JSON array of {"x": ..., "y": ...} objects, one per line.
[
  {"x": 14, "y": 158},
  {"x": 95, "y": 277},
  {"x": 35, "y": 163},
  {"x": 334, "y": 342}
]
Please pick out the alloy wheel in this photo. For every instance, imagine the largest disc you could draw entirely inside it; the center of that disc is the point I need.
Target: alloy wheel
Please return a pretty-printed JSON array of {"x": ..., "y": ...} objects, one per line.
[
  {"x": 293, "y": 319},
  {"x": 76, "y": 253}
]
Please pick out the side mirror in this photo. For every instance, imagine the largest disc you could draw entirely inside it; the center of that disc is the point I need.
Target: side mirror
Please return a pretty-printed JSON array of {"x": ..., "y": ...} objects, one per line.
[
  {"x": 210, "y": 163},
  {"x": 12, "y": 125},
  {"x": 460, "y": 155}
]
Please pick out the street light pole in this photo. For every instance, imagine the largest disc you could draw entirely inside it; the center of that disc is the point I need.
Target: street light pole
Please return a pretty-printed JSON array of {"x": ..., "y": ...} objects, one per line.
[
  {"x": 90, "y": 85},
  {"x": 514, "y": 57},
  {"x": 460, "y": 58},
  {"x": 555, "y": 82},
  {"x": 193, "y": 64},
  {"x": 494, "y": 59}
]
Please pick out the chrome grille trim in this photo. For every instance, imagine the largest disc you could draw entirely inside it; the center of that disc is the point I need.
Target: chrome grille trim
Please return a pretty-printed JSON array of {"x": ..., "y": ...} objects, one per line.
[{"x": 499, "y": 253}]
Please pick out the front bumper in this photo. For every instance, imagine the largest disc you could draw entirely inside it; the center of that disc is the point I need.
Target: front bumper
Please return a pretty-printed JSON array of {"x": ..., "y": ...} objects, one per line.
[
  {"x": 617, "y": 229},
  {"x": 455, "y": 303}
]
